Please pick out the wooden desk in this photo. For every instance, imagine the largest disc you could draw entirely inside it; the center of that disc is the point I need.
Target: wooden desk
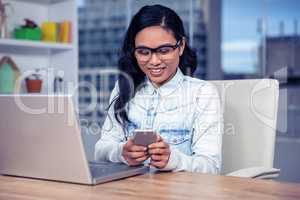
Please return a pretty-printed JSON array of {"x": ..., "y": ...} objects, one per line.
[{"x": 152, "y": 186}]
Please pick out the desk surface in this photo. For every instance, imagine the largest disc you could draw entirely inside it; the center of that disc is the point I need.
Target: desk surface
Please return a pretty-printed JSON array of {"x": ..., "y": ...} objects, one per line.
[{"x": 152, "y": 186}]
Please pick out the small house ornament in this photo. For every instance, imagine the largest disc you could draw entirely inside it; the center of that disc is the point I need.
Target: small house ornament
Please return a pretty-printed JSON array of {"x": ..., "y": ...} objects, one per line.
[{"x": 9, "y": 76}]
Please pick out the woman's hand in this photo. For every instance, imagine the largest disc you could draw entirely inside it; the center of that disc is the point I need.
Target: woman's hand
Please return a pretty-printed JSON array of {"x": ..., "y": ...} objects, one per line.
[
  {"x": 160, "y": 153},
  {"x": 134, "y": 154}
]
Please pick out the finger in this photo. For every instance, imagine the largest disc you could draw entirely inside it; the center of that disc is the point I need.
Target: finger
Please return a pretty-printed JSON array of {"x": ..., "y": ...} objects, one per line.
[
  {"x": 158, "y": 138},
  {"x": 133, "y": 163},
  {"x": 137, "y": 148},
  {"x": 157, "y": 158},
  {"x": 160, "y": 151},
  {"x": 141, "y": 159},
  {"x": 135, "y": 155},
  {"x": 130, "y": 146},
  {"x": 159, "y": 164},
  {"x": 161, "y": 144},
  {"x": 128, "y": 143}
]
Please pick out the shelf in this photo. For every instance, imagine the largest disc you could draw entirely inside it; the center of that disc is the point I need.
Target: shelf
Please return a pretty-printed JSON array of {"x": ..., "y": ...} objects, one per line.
[
  {"x": 61, "y": 58},
  {"x": 32, "y": 45},
  {"x": 36, "y": 94},
  {"x": 41, "y": 1}
]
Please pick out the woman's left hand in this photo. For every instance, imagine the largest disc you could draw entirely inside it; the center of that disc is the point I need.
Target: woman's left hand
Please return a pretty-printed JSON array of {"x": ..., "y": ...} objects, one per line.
[{"x": 159, "y": 153}]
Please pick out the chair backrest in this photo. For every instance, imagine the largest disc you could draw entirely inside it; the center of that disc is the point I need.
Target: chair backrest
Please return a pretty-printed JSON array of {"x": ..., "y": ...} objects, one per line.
[{"x": 250, "y": 114}]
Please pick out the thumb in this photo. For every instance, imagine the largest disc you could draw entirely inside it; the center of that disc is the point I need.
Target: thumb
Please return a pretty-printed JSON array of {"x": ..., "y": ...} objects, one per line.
[
  {"x": 129, "y": 142},
  {"x": 158, "y": 138}
]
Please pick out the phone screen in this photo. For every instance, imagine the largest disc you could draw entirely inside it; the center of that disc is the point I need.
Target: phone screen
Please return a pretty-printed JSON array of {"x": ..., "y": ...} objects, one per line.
[{"x": 144, "y": 137}]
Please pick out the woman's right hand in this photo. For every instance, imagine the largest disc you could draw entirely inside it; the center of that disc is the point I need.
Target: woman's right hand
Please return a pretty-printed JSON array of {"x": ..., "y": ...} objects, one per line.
[{"x": 134, "y": 154}]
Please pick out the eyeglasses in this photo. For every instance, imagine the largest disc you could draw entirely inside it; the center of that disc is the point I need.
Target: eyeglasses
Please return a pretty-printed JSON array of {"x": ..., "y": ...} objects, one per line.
[{"x": 164, "y": 52}]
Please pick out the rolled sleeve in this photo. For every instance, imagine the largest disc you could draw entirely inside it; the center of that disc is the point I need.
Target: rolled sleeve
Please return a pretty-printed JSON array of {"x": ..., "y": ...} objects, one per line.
[{"x": 109, "y": 147}]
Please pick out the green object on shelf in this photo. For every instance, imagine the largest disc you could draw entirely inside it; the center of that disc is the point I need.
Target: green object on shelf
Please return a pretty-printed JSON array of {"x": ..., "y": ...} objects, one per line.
[{"x": 28, "y": 33}]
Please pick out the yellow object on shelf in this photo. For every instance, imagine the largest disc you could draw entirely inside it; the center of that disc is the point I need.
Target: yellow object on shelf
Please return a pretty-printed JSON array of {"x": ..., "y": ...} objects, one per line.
[
  {"x": 49, "y": 30},
  {"x": 57, "y": 32},
  {"x": 65, "y": 32}
]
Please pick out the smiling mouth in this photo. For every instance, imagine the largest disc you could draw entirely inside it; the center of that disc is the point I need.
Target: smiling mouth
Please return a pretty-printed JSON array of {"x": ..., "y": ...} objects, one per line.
[{"x": 156, "y": 71}]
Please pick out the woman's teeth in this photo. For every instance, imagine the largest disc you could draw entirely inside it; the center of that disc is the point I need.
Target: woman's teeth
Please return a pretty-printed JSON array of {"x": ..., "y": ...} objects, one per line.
[{"x": 156, "y": 71}]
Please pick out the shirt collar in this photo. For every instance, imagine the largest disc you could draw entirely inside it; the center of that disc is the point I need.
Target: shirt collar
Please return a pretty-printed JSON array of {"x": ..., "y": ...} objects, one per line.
[{"x": 166, "y": 88}]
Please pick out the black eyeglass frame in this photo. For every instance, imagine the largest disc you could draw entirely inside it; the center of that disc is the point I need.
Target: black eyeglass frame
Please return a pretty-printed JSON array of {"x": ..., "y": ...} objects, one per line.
[{"x": 154, "y": 50}]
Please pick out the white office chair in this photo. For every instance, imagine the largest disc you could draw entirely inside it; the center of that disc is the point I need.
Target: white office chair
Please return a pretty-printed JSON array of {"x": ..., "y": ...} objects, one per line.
[{"x": 250, "y": 114}]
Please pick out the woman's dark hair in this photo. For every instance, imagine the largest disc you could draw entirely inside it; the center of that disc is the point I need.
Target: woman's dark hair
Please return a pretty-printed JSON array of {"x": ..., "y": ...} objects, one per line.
[{"x": 155, "y": 15}]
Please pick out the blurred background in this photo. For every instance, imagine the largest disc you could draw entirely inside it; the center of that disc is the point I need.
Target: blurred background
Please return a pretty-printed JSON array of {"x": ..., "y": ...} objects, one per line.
[{"x": 234, "y": 39}]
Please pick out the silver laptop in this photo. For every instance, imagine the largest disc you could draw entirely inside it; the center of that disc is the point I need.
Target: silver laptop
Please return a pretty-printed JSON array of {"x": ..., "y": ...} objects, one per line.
[{"x": 40, "y": 138}]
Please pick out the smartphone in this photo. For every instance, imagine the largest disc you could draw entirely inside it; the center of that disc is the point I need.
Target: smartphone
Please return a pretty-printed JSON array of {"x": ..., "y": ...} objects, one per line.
[{"x": 144, "y": 137}]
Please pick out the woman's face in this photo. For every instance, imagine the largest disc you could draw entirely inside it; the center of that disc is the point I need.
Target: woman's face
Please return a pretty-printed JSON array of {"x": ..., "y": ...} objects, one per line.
[{"x": 157, "y": 53}]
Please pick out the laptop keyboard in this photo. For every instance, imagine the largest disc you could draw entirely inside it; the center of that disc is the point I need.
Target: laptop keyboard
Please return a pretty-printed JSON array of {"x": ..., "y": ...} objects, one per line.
[{"x": 99, "y": 169}]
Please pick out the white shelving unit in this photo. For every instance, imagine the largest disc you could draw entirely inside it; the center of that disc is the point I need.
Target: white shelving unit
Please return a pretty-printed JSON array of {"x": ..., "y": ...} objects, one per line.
[
  {"x": 53, "y": 58},
  {"x": 21, "y": 45}
]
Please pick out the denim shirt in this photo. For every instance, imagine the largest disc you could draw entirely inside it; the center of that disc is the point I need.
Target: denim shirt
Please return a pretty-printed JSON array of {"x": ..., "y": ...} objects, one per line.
[{"x": 185, "y": 111}]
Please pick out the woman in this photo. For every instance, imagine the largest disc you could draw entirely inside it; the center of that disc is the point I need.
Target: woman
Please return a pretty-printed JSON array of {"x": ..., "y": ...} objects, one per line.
[{"x": 184, "y": 111}]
